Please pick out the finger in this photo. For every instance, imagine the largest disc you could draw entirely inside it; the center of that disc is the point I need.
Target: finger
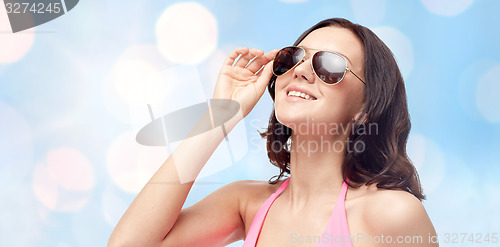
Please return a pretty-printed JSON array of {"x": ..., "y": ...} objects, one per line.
[
  {"x": 265, "y": 75},
  {"x": 271, "y": 54},
  {"x": 261, "y": 61},
  {"x": 257, "y": 54},
  {"x": 244, "y": 59},
  {"x": 257, "y": 63},
  {"x": 234, "y": 54}
]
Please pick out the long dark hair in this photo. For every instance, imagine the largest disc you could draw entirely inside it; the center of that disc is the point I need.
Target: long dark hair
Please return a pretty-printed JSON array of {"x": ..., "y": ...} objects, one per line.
[{"x": 383, "y": 161}]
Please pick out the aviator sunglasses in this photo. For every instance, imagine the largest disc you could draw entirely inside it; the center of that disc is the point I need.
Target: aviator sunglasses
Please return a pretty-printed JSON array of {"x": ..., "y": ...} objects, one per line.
[{"x": 330, "y": 67}]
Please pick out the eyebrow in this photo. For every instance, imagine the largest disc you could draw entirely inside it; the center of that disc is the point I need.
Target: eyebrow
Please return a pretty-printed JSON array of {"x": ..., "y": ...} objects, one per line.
[{"x": 307, "y": 48}]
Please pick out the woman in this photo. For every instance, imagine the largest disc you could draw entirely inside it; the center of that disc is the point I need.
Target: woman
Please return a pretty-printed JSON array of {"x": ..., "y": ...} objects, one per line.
[{"x": 339, "y": 129}]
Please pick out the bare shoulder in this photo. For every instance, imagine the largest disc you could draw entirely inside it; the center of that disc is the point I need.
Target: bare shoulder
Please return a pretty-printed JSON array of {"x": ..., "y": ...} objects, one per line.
[
  {"x": 393, "y": 212},
  {"x": 253, "y": 189},
  {"x": 250, "y": 188},
  {"x": 251, "y": 195},
  {"x": 392, "y": 207}
]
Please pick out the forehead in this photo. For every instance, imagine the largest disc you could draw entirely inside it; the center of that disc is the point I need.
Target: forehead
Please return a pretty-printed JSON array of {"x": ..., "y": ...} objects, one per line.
[{"x": 336, "y": 39}]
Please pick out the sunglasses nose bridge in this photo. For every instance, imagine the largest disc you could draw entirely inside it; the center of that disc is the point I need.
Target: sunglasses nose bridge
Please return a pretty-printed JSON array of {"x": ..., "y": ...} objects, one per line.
[{"x": 305, "y": 72}]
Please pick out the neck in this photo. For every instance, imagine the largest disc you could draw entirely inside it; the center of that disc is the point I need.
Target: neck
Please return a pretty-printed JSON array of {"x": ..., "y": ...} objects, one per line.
[{"x": 315, "y": 170}]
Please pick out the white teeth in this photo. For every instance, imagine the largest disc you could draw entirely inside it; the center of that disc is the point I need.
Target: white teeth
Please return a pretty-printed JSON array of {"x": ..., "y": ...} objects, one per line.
[{"x": 299, "y": 94}]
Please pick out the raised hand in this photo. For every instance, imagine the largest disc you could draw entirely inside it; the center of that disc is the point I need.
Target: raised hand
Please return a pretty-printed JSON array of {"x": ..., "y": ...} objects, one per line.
[{"x": 238, "y": 79}]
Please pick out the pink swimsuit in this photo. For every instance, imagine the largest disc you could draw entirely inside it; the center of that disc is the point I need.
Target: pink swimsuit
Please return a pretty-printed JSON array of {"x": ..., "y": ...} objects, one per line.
[{"x": 336, "y": 232}]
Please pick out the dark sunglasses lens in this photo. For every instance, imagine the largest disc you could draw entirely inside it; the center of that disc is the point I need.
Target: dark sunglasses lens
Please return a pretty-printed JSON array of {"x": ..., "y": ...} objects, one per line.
[
  {"x": 329, "y": 67},
  {"x": 286, "y": 59}
]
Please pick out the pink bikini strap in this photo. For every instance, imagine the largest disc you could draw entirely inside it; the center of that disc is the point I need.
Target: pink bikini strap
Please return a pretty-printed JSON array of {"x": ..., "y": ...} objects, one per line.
[{"x": 256, "y": 225}]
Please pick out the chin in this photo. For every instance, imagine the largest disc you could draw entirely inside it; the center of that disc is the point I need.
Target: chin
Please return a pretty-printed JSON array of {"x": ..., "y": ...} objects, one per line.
[
  {"x": 294, "y": 113},
  {"x": 293, "y": 119}
]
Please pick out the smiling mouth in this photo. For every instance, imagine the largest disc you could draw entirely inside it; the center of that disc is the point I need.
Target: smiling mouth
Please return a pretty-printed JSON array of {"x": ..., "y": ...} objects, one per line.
[{"x": 301, "y": 95}]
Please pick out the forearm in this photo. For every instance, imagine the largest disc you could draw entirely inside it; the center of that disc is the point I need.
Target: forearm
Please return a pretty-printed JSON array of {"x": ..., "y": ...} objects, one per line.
[{"x": 154, "y": 211}]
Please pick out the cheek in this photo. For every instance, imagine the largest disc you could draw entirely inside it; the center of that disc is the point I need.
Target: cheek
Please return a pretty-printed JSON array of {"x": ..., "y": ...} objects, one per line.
[
  {"x": 338, "y": 105},
  {"x": 280, "y": 82},
  {"x": 279, "y": 88},
  {"x": 334, "y": 109},
  {"x": 356, "y": 101}
]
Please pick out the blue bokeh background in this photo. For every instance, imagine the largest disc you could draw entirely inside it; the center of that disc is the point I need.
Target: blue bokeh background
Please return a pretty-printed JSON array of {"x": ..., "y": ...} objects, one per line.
[{"x": 69, "y": 166}]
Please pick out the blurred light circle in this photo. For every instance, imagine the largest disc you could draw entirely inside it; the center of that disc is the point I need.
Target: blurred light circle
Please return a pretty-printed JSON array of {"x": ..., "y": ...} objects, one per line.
[
  {"x": 186, "y": 33},
  {"x": 131, "y": 114},
  {"x": 447, "y": 7},
  {"x": 209, "y": 71},
  {"x": 130, "y": 164},
  {"x": 13, "y": 46},
  {"x": 487, "y": 95},
  {"x": 145, "y": 52},
  {"x": 138, "y": 82},
  {"x": 70, "y": 169},
  {"x": 54, "y": 196},
  {"x": 429, "y": 160},
  {"x": 113, "y": 102},
  {"x": 128, "y": 89},
  {"x": 186, "y": 91},
  {"x": 468, "y": 83},
  {"x": 45, "y": 189},
  {"x": 65, "y": 182},
  {"x": 400, "y": 45}
]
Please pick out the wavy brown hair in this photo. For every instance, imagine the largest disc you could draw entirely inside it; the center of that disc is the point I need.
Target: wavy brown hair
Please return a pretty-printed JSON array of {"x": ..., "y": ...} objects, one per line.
[{"x": 384, "y": 160}]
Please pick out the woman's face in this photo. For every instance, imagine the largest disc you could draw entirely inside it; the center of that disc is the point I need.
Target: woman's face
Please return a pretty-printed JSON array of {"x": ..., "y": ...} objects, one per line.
[{"x": 337, "y": 104}]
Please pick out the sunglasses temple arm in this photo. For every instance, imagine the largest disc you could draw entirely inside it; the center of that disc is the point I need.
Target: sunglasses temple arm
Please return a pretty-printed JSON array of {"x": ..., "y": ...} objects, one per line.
[{"x": 356, "y": 76}]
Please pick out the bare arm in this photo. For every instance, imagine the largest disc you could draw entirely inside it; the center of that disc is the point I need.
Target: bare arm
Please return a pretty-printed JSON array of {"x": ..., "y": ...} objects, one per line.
[{"x": 155, "y": 217}]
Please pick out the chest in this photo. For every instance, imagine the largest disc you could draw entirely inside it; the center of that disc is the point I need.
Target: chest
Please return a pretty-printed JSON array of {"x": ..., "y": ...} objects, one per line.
[{"x": 282, "y": 227}]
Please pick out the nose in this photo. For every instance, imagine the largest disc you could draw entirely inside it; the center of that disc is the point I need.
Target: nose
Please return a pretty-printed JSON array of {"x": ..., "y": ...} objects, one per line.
[{"x": 303, "y": 71}]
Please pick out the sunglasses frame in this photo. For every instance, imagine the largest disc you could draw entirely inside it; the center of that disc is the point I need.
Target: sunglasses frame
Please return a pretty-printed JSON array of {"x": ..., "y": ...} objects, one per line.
[{"x": 312, "y": 67}]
